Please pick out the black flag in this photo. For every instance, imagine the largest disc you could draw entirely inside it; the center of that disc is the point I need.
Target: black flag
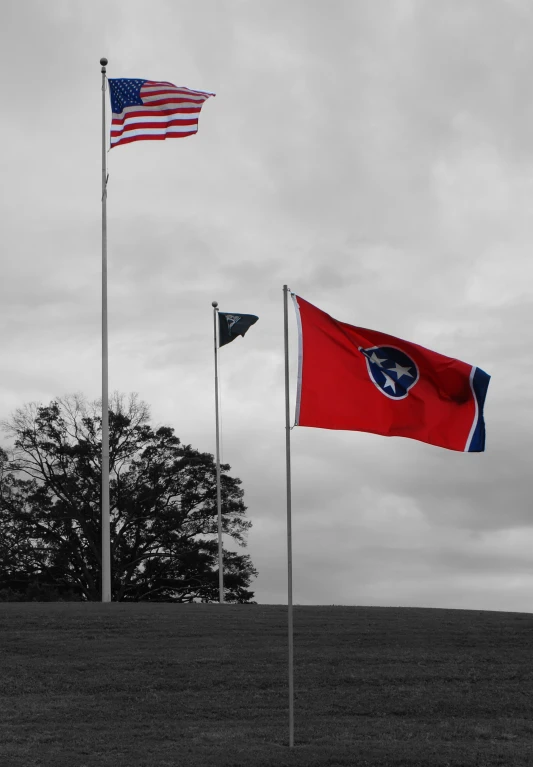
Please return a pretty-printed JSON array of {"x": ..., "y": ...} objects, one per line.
[{"x": 232, "y": 325}]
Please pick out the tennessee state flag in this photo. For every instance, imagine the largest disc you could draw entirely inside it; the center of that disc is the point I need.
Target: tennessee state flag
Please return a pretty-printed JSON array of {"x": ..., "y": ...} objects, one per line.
[{"x": 363, "y": 380}]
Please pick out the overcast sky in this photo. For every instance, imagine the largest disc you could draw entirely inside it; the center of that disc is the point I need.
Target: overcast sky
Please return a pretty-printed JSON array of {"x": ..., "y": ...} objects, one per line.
[{"x": 375, "y": 156}]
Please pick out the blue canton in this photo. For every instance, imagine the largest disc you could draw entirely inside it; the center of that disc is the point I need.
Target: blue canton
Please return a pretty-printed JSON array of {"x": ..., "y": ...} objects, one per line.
[
  {"x": 125, "y": 93},
  {"x": 392, "y": 370}
]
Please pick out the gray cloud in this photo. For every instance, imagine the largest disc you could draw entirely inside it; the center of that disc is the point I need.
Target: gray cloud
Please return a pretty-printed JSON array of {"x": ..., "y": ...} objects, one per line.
[{"x": 375, "y": 157}]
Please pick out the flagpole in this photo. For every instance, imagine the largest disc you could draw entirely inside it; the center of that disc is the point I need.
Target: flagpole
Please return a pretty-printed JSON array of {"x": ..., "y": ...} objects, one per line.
[
  {"x": 289, "y": 521},
  {"x": 219, "y": 494},
  {"x": 106, "y": 544}
]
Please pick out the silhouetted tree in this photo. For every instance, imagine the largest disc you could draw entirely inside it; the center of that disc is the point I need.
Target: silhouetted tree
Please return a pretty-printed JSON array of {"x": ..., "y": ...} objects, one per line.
[{"x": 162, "y": 508}]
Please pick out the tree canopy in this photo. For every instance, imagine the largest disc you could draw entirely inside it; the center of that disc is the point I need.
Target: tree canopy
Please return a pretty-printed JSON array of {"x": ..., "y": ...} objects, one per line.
[{"x": 162, "y": 507}]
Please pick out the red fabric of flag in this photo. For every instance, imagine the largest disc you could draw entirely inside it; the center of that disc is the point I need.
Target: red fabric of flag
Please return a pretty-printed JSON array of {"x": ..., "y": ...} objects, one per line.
[{"x": 362, "y": 380}]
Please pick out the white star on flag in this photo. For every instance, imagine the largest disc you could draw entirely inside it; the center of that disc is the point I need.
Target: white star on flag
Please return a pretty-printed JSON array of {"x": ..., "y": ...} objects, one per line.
[
  {"x": 400, "y": 371},
  {"x": 377, "y": 360},
  {"x": 389, "y": 382}
]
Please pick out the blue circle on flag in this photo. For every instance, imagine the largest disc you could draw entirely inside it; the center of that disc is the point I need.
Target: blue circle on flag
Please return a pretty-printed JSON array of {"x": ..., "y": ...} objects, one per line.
[{"x": 391, "y": 370}]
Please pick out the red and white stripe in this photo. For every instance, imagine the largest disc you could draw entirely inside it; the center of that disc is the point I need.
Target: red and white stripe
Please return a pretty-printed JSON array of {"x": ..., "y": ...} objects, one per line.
[{"x": 167, "y": 112}]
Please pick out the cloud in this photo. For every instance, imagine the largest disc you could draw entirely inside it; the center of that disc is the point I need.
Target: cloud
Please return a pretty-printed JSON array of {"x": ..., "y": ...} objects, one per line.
[{"x": 376, "y": 158}]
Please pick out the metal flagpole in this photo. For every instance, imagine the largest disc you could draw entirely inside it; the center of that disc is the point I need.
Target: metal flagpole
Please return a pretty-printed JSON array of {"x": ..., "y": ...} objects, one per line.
[
  {"x": 289, "y": 524},
  {"x": 106, "y": 547},
  {"x": 219, "y": 495}
]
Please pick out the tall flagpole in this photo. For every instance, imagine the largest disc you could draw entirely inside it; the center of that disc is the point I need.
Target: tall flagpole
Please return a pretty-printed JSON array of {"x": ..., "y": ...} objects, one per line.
[
  {"x": 219, "y": 494},
  {"x": 289, "y": 521},
  {"x": 106, "y": 546}
]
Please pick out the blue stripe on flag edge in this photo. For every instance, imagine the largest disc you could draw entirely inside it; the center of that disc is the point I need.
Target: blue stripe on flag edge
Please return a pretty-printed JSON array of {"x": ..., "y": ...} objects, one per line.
[{"x": 480, "y": 384}]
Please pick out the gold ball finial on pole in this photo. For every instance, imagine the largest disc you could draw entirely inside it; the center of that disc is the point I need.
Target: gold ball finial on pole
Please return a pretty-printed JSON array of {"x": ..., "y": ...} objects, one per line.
[
  {"x": 103, "y": 62},
  {"x": 214, "y": 304}
]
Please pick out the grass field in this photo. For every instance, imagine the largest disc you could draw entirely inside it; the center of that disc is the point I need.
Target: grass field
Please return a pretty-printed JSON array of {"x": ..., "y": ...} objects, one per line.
[{"x": 147, "y": 685}]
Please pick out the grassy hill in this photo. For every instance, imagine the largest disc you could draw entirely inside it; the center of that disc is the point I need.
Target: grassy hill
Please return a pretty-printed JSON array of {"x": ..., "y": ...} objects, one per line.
[{"x": 146, "y": 685}]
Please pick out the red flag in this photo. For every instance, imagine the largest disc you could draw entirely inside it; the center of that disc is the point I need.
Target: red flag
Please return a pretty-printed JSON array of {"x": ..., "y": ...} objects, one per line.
[{"x": 363, "y": 380}]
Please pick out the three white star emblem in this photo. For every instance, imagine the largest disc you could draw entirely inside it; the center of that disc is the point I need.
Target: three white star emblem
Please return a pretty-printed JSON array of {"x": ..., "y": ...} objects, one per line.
[{"x": 391, "y": 372}]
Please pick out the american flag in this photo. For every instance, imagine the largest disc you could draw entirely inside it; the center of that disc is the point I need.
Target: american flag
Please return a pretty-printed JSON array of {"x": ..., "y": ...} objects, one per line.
[{"x": 151, "y": 110}]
